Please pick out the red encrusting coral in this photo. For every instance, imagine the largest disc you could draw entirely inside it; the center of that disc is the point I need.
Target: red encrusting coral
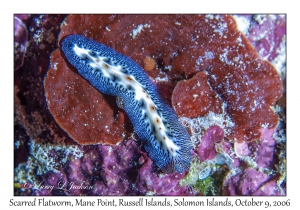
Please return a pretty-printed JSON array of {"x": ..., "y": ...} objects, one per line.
[
  {"x": 194, "y": 97},
  {"x": 247, "y": 85},
  {"x": 250, "y": 88},
  {"x": 79, "y": 108}
]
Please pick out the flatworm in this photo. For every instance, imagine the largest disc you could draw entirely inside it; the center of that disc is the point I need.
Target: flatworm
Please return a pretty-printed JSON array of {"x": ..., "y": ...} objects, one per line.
[{"x": 156, "y": 124}]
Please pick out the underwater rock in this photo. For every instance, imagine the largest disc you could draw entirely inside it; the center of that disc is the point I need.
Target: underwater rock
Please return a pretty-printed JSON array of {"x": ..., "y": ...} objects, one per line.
[
  {"x": 267, "y": 33},
  {"x": 20, "y": 42},
  {"x": 206, "y": 149},
  {"x": 261, "y": 151},
  {"x": 251, "y": 182},
  {"x": 31, "y": 113},
  {"x": 159, "y": 184}
]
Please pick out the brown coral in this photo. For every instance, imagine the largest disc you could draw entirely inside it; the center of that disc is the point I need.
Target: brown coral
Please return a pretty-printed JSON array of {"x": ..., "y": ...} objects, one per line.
[
  {"x": 249, "y": 91},
  {"x": 79, "y": 108},
  {"x": 194, "y": 97}
]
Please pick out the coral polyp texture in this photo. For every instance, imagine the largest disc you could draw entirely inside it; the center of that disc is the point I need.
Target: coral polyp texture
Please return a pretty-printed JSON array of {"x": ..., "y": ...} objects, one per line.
[{"x": 223, "y": 75}]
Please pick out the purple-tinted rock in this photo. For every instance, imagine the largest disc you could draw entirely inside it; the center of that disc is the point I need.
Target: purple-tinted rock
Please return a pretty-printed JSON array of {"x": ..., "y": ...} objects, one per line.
[
  {"x": 206, "y": 149},
  {"x": 100, "y": 189},
  {"x": 119, "y": 166},
  {"x": 242, "y": 149},
  {"x": 44, "y": 192},
  {"x": 155, "y": 184},
  {"x": 22, "y": 16},
  {"x": 20, "y": 42},
  {"x": 269, "y": 188},
  {"x": 244, "y": 184},
  {"x": 251, "y": 182},
  {"x": 262, "y": 153},
  {"x": 266, "y": 34},
  {"x": 91, "y": 160},
  {"x": 76, "y": 177},
  {"x": 53, "y": 179},
  {"x": 266, "y": 148}
]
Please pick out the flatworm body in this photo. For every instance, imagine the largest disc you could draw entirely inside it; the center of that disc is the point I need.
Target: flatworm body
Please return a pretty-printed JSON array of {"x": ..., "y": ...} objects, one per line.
[{"x": 156, "y": 124}]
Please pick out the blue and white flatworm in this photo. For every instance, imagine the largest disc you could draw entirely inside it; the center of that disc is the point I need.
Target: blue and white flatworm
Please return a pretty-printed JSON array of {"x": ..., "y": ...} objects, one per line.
[{"x": 165, "y": 139}]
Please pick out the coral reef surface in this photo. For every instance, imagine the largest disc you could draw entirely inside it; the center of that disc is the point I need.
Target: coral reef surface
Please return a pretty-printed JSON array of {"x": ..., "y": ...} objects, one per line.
[{"x": 224, "y": 75}]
